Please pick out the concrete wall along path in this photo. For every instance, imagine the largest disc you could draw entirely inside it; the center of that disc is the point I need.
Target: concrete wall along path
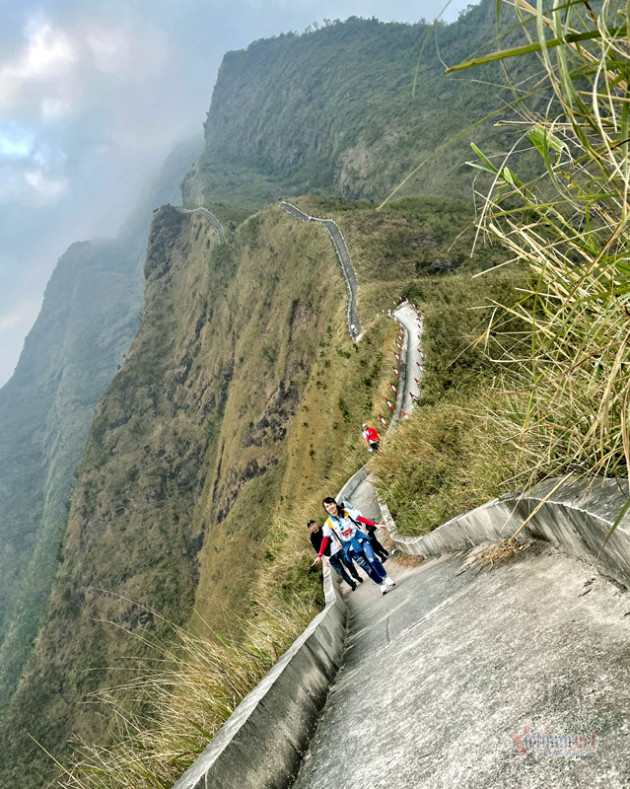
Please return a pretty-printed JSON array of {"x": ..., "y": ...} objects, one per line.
[
  {"x": 262, "y": 743},
  {"x": 352, "y": 285},
  {"x": 574, "y": 516},
  {"x": 204, "y": 212}
]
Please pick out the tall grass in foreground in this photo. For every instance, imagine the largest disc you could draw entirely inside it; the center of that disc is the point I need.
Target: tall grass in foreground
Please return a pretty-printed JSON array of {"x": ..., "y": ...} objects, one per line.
[
  {"x": 183, "y": 694},
  {"x": 448, "y": 459},
  {"x": 572, "y": 393},
  {"x": 189, "y": 690}
]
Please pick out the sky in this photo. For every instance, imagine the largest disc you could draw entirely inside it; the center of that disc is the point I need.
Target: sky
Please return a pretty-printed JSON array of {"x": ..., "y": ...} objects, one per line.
[{"x": 93, "y": 96}]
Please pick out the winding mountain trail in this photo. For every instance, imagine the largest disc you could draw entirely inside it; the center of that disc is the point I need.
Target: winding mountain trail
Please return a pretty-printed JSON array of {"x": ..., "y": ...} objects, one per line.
[
  {"x": 352, "y": 316},
  {"x": 515, "y": 677},
  {"x": 414, "y": 359},
  {"x": 215, "y": 222},
  {"x": 458, "y": 677},
  {"x": 364, "y": 496}
]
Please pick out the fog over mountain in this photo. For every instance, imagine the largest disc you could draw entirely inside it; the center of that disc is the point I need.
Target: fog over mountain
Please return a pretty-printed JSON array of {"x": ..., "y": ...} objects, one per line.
[{"x": 92, "y": 98}]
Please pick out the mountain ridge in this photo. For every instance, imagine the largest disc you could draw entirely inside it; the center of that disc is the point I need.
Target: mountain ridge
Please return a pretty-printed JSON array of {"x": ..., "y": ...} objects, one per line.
[
  {"x": 90, "y": 313},
  {"x": 332, "y": 111}
]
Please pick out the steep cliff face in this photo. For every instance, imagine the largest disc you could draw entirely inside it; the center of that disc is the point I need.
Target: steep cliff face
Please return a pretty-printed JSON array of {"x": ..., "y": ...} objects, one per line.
[
  {"x": 332, "y": 111},
  {"x": 90, "y": 314},
  {"x": 169, "y": 453}
]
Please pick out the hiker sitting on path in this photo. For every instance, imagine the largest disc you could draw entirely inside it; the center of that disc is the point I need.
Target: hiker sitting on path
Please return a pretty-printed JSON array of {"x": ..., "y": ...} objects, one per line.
[
  {"x": 370, "y": 434},
  {"x": 335, "y": 555},
  {"x": 343, "y": 525}
]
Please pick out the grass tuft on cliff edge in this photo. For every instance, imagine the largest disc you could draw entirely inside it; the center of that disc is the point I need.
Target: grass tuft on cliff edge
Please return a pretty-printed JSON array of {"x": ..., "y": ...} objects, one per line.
[{"x": 453, "y": 453}]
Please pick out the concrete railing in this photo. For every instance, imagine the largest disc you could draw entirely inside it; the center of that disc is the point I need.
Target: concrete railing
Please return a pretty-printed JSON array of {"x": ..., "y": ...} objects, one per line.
[
  {"x": 353, "y": 483},
  {"x": 261, "y": 745},
  {"x": 339, "y": 244},
  {"x": 403, "y": 369},
  {"x": 576, "y": 517},
  {"x": 204, "y": 212}
]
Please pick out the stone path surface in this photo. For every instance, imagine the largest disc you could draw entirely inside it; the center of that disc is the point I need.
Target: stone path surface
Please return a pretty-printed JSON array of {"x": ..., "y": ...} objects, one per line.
[
  {"x": 365, "y": 499},
  {"x": 215, "y": 222},
  {"x": 442, "y": 673},
  {"x": 343, "y": 256},
  {"x": 409, "y": 318}
]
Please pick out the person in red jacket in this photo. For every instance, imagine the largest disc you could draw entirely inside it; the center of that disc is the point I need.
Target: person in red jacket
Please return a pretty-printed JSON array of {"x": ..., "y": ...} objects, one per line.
[{"x": 370, "y": 434}]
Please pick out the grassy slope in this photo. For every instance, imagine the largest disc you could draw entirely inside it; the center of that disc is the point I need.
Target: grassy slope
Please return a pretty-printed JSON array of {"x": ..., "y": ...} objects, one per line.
[{"x": 238, "y": 407}]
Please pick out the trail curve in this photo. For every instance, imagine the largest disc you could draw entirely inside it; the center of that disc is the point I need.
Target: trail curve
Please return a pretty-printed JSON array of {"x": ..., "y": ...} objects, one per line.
[
  {"x": 352, "y": 284},
  {"x": 204, "y": 211}
]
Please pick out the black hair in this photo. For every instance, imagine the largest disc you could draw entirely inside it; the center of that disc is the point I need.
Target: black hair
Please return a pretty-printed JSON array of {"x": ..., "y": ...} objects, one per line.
[
  {"x": 308, "y": 524},
  {"x": 330, "y": 500}
]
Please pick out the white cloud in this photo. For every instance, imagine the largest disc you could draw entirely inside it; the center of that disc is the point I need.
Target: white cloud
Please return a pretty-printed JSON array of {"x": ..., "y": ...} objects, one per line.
[
  {"x": 54, "y": 109},
  {"x": 110, "y": 49},
  {"x": 32, "y": 169},
  {"x": 30, "y": 186},
  {"x": 49, "y": 52},
  {"x": 45, "y": 188},
  {"x": 43, "y": 65},
  {"x": 55, "y": 66}
]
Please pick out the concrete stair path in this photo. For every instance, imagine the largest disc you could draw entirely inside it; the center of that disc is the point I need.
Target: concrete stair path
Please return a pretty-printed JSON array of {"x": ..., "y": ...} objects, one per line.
[
  {"x": 445, "y": 676},
  {"x": 204, "y": 212},
  {"x": 345, "y": 262},
  {"x": 439, "y": 673},
  {"x": 458, "y": 677}
]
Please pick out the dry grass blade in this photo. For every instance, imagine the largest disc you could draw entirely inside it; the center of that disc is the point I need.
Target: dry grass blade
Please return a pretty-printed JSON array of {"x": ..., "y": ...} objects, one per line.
[
  {"x": 501, "y": 552},
  {"x": 192, "y": 690},
  {"x": 576, "y": 245},
  {"x": 405, "y": 560}
]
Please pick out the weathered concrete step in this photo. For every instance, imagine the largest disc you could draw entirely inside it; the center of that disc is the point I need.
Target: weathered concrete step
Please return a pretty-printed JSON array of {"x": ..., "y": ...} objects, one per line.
[{"x": 440, "y": 672}]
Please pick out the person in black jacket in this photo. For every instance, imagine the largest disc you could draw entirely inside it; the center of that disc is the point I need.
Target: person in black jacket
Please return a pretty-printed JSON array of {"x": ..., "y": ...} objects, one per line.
[
  {"x": 379, "y": 549},
  {"x": 335, "y": 556}
]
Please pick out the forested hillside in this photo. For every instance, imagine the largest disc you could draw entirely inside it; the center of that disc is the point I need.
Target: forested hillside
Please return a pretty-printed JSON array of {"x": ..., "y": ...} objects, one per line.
[{"x": 332, "y": 111}]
